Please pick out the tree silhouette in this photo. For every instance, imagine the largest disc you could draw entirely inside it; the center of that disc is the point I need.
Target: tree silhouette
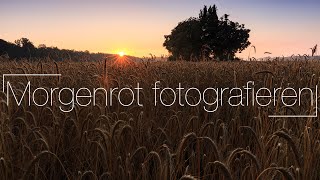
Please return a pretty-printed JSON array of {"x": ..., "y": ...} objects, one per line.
[
  {"x": 209, "y": 23},
  {"x": 42, "y": 46},
  {"x": 231, "y": 37},
  {"x": 24, "y": 49},
  {"x": 24, "y": 43},
  {"x": 184, "y": 42},
  {"x": 211, "y": 37}
]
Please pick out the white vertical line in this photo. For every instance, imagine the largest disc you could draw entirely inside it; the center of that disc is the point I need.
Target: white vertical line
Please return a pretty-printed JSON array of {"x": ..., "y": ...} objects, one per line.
[
  {"x": 316, "y": 100},
  {"x": 40, "y": 75},
  {"x": 2, "y": 82}
]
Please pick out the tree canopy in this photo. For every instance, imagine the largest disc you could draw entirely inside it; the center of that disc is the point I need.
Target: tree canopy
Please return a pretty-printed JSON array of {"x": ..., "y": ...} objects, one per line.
[
  {"x": 185, "y": 40},
  {"x": 207, "y": 37}
]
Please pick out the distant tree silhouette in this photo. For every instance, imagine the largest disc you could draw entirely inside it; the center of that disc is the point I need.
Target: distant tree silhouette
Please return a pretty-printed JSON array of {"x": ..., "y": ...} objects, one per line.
[
  {"x": 24, "y": 43},
  {"x": 24, "y": 49},
  {"x": 42, "y": 46},
  {"x": 216, "y": 38}
]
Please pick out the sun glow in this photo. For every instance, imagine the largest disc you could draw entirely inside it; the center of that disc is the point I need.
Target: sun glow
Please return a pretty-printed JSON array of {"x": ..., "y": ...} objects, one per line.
[{"x": 121, "y": 54}]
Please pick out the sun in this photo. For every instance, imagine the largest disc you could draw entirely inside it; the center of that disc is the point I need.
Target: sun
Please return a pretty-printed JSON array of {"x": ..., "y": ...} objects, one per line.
[{"x": 121, "y": 54}]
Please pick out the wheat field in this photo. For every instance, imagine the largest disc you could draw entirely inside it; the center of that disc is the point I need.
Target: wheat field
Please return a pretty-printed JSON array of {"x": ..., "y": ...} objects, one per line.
[{"x": 116, "y": 142}]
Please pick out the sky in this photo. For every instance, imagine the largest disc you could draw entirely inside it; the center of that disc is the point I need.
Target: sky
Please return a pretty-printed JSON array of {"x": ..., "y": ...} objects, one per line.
[{"x": 137, "y": 27}]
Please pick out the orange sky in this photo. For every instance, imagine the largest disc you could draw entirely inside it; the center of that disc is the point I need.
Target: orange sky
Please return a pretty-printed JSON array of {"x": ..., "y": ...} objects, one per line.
[{"x": 138, "y": 27}]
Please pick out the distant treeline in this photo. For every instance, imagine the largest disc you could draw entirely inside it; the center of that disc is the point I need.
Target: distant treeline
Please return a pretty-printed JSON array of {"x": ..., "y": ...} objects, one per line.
[{"x": 24, "y": 49}]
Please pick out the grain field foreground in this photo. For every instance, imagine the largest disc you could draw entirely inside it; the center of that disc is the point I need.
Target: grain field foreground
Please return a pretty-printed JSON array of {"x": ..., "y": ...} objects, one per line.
[{"x": 116, "y": 142}]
